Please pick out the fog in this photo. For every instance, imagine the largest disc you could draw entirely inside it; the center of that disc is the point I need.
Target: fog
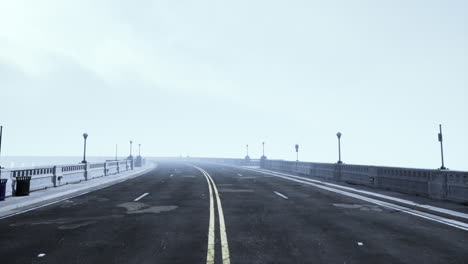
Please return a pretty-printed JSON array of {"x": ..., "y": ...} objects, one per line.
[{"x": 205, "y": 78}]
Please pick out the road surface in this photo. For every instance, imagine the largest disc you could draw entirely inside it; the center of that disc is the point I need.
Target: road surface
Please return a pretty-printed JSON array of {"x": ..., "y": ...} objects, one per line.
[{"x": 204, "y": 213}]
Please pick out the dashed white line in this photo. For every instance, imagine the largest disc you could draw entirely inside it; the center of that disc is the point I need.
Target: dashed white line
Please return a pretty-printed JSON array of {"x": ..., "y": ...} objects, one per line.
[
  {"x": 171, "y": 175},
  {"x": 139, "y": 197},
  {"x": 281, "y": 195},
  {"x": 239, "y": 174}
]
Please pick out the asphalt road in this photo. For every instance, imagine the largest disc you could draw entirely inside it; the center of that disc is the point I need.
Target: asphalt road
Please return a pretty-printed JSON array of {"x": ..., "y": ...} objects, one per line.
[{"x": 255, "y": 218}]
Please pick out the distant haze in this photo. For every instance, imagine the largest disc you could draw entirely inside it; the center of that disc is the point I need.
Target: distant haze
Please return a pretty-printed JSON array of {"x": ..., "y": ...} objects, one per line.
[{"x": 205, "y": 78}]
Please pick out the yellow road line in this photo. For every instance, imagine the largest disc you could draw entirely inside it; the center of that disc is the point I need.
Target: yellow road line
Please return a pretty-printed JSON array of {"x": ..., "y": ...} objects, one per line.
[
  {"x": 222, "y": 226},
  {"x": 211, "y": 237}
]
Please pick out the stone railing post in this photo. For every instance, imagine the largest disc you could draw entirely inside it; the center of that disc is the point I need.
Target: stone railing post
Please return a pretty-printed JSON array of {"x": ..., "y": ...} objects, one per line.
[
  {"x": 437, "y": 185},
  {"x": 86, "y": 169},
  {"x": 58, "y": 175},
  {"x": 337, "y": 172}
]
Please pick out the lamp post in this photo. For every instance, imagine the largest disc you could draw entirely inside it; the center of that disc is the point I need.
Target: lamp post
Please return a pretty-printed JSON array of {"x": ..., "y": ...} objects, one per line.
[
  {"x": 339, "y": 147},
  {"x": 85, "y": 136},
  {"x": 139, "y": 149},
  {"x": 131, "y": 142},
  {"x": 297, "y": 154},
  {"x": 116, "y": 148},
  {"x": 441, "y": 148},
  {"x": 263, "y": 149}
]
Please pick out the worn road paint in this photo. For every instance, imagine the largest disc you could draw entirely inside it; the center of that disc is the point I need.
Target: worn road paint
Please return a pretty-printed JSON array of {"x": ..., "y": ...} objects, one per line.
[
  {"x": 239, "y": 174},
  {"x": 139, "y": 197},
  {"x": 281, "y": 195}
]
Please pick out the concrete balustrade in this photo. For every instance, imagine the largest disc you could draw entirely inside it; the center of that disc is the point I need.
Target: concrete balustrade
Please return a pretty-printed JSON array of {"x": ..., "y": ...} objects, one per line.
[
  {"x": 53, "y": 176},
  {"x": 435, "y": 184}
]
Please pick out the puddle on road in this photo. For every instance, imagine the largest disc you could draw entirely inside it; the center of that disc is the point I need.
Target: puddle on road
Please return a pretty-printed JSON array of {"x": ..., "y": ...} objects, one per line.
[
  {"x": 139, "y": 208},
  {"x": 362, "y": 207}
]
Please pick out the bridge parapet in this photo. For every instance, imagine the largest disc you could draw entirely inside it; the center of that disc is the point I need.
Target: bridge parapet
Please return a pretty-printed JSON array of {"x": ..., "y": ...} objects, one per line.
[
  {"x": 436, "y": 184},
  {"x": 43, "y": 177}
]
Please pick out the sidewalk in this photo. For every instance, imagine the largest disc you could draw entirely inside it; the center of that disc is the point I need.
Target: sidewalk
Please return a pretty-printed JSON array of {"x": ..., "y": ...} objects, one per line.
[{"x": 14, "y": 205}]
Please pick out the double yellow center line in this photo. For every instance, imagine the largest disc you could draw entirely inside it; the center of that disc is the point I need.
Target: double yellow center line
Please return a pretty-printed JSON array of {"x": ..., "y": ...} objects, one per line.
[{"x": 211, "y": 229}]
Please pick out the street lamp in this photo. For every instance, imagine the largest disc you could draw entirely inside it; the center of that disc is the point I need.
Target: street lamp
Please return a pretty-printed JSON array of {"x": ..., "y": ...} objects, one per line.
[
  {"x": 297, "y": 152},
  {"x": 441, "y": 148},
  {"x": 116, "y": 148},
  {"x": 339, "y": 147},
  {"x": 85, "y": 136},
  {"x": 131, "y": 142},
  {"x": 139, "y": 149}
]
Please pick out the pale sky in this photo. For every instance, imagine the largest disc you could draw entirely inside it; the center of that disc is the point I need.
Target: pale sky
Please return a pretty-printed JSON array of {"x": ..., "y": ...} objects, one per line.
[{"x": 205, "y": 78}]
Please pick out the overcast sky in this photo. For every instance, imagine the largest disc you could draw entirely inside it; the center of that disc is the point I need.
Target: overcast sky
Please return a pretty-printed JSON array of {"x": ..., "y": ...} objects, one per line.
[{"x": 205, "y": 78}]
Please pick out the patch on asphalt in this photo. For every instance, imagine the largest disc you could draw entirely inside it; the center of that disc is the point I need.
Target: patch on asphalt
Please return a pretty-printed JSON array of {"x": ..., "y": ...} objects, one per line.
[
  {"x": 235, "y": 190},
  {"x": 140, "y": 208},
  {"x": 362, "y": 207}
]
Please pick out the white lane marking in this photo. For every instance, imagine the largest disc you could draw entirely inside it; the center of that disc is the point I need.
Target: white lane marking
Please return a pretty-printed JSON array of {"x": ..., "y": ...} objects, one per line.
[
  {"x": 239, "y": 174},
  {"x": 282, "y": 195},
  {"x": 435, "y": 218},
  {"x": 407, "y": 202},
  {"x": 222, "y": 225},
  {"x": 171, "y": 175},
  {"x": 40, "y": 255},
  {"x": 360, "y": 243},
  {"x": 139, "y": 197}
]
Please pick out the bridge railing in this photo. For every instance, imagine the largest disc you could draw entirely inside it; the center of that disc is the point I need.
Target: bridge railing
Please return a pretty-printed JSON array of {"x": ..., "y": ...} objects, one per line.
[
  {"x": 43, "y": 177},
  {"x": 436, "y": 184}
]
